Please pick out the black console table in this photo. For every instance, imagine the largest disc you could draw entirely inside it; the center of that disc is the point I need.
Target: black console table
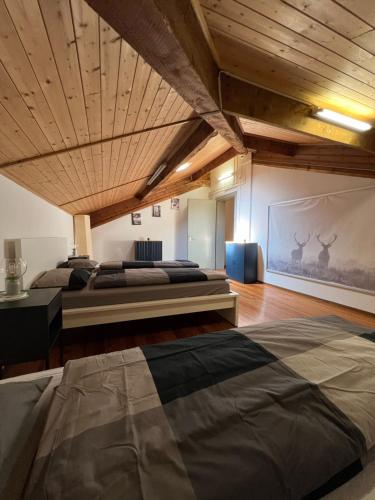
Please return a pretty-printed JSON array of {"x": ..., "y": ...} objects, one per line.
[
  {"x": 30, "y": 327},
  {"x": 242, "y": 262}
]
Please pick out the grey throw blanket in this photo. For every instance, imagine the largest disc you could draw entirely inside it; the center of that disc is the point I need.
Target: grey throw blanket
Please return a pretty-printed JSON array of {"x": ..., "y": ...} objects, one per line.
[
  {"x": 283, "y": 410},
  {"x": 156, "y": 276}
]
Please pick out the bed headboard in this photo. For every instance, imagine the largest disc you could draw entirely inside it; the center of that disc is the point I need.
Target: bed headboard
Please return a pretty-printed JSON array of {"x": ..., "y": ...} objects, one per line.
[{"x": 40, "y": 254}]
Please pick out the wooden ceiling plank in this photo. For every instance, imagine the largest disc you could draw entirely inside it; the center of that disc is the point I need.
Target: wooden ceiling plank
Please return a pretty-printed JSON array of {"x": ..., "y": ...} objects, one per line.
[
  {"x": 360, "y": 9},
  {"x": 136, "y": 92},
  {"x": 244, "y": 99},
  {"x": 170, "y": 38},
  {"x": 15, "y": 105},
  {"x": 315, "y": 31},
  {"x": 242, "y": 14},
  {"x": 193, "y": 143},
  {"x": 110, "y": 49},
  {"x": 333, "y": 16},
  {"x": 60, "y": 29},
  {"x": 86, "y": 31},
  {"x": 14, "y": 58},
  {"x": 128, "y": 64},
  {"x": 331, "y": 78},
  {"x": 28, "y": 20}
]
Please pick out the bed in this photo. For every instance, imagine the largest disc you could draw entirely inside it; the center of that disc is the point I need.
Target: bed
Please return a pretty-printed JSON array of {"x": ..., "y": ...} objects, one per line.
[
  {"x": 82, "y": 309},
  {"x": 281, "y": 410},
  {"x": 91, "y": 306}
]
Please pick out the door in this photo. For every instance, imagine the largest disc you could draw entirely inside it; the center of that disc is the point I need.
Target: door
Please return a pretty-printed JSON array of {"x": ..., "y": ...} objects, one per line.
[{"x": 201, "y": 232}]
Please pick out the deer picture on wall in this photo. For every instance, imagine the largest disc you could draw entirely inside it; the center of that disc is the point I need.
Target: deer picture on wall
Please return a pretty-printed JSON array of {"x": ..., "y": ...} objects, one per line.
[
  {"x": 297, "y": 253},
  {"x": 324, "y": 256}
]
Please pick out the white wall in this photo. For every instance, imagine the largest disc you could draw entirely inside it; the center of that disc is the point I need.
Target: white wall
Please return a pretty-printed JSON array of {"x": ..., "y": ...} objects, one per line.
[
  {"x": 270, "y": 185},
  {"x": 238, "y": 186},
  {"x": 25, "y": 215},
  {"x": 115, "y": 240}
]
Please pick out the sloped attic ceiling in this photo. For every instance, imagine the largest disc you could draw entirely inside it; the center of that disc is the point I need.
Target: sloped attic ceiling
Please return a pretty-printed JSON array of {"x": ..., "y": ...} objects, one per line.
[
  {"x": 90, "y": 110},
  {"x": 67, "y": 79}
]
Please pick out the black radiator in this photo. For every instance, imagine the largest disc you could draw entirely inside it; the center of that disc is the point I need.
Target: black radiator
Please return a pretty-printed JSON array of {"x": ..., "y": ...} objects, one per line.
[{"x": 148, "y": 250}]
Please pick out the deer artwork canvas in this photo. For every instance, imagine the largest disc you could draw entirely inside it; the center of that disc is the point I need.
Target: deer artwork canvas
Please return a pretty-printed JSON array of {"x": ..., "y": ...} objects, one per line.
[{"x": 327, "y": 238}]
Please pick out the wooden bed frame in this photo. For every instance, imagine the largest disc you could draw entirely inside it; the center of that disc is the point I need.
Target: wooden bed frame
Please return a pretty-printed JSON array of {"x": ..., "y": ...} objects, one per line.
[
  {"x": 224, "y": 304},
  {"x": 33, "y": 250}
]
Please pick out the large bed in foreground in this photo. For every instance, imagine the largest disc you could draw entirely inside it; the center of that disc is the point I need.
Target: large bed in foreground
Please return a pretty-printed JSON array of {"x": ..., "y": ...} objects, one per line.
[{"x": 283, "y": 410}]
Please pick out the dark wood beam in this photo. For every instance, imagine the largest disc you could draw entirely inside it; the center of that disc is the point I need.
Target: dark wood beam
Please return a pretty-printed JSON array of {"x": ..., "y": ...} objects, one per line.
[
  {"x": 226, "y": 156},
  {"x": 168, "y": 35},
  {"x": 112, "y": 212},
  {"x": 241, "y": 98},
  {"x": 270, "y": 145},
  {"x": 194, "y": 142},
  {"x": 308, "y": 159}
]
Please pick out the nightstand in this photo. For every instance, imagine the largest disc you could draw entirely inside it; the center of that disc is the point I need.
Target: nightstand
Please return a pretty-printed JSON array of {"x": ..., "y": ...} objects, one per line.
[{"x": 30, "y": 327}]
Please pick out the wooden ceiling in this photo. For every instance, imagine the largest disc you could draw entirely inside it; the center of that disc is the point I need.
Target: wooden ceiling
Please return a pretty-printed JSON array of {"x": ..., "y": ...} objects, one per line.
[
  {"x": 95, "y": 96},
  {"x": 67, "y": 79},
  {"x": 319, "y": 51}
]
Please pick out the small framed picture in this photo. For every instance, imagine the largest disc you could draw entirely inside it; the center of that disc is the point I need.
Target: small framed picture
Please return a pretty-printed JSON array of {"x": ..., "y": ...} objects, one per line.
[
  {"x": 136, "y": 219},
  {"x": 156, "y": 210},
  {"x": 175, "y": 203}
]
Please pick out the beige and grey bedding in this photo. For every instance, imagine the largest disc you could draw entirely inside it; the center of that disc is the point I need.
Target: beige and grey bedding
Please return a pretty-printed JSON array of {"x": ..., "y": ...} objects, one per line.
[
  {"x": 91, "y": 297},
  {"x": 24, "y": 406},
  {"x": 284, "y": 410},
  {"x": 135, "y": 264},
  {"x": 156, "y": 276},
  {"x": 67, "y": 279}
]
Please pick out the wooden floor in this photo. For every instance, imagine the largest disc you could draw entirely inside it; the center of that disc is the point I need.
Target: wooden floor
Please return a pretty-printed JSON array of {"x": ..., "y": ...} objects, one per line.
[{"x": 258, "y": 303}]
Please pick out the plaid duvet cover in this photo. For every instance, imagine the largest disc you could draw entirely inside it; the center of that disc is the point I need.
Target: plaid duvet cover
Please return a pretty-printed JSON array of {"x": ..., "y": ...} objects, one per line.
[
  {"x": 282, "y": 410},
  {"x": 143, "y": 277}
]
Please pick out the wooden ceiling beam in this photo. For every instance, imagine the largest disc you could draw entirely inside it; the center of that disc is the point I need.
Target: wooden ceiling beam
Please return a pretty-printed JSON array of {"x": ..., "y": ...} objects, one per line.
[
  {"x": 194, "y": 142},
  {"x": 262, "y": 144},
  {"x": 169, "y": 36},
  {"x": 331, "y": 164},
  {"x": 241, "y": 98},
  {"x": 112, "y": 212}
]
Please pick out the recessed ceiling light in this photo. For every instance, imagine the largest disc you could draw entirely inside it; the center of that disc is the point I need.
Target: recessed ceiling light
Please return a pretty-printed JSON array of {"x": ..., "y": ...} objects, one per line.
[
  {"x": 225, "y": 176},
  {"x": 184, "y": 166},
  {"x": 342, "y": 120}
]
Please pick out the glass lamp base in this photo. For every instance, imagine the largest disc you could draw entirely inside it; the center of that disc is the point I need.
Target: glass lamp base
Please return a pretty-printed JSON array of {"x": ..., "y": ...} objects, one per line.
[{"x": 4, "y": 297}]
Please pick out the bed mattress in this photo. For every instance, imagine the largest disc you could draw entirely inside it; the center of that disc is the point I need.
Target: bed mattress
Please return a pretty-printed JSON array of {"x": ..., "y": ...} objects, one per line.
[{"x": 91, "y": 297}]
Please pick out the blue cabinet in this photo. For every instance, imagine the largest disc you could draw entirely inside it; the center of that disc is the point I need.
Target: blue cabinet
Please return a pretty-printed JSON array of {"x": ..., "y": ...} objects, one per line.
[{"x": 242, "y": 261}]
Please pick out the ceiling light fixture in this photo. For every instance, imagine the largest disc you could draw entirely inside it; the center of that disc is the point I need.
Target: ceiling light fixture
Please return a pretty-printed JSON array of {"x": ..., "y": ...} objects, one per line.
[
  {"x": 225, "y": 176},
  {"x": 342, "y": 120},
  {"x": 184, "y": 166},
  {"x": 156, "y": 174}
]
